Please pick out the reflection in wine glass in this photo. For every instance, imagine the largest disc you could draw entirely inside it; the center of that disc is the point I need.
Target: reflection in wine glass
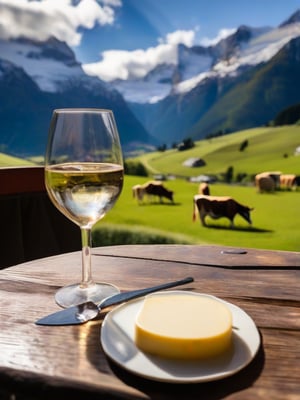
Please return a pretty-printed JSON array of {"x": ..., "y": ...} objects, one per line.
[{"x": 84, "y": 177}]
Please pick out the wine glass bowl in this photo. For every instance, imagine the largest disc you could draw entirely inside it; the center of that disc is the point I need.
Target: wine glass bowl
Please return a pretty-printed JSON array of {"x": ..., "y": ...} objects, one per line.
[{"x": 84, "y": 178}]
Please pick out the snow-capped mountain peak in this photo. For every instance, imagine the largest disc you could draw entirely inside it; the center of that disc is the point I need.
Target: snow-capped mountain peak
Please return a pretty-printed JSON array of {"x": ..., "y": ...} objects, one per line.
[
  {"x": 259, "y": 49},
  {"x": 253, "y": 47},
  {"x": 245, "y": 48},
  {"x": 50, "y": 64}
]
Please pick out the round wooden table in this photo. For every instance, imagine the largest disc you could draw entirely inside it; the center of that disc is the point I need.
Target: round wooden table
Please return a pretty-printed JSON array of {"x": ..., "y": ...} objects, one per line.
[{"x": 55, "y": 362}]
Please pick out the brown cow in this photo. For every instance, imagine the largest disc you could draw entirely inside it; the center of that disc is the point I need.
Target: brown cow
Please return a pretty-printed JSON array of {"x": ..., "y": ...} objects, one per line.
[
  {"x": 147, "y": 189},
  {"x": 159, "y": 190},
  {"x": 204, "y": 189},
  {"x": 219, "y": 206}
]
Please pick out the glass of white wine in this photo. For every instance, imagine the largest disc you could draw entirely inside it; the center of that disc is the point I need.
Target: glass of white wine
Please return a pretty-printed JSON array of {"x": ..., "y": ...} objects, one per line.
[{"x": 84, "y": 178}]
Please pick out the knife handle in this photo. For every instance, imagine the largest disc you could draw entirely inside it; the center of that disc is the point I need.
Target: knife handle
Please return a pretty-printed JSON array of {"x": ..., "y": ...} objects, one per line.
[{"x": 121, "y": 297}]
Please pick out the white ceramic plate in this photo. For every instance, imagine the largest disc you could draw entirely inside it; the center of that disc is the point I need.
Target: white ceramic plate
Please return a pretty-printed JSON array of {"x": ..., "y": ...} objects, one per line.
[{"x": 117, "y": 339}]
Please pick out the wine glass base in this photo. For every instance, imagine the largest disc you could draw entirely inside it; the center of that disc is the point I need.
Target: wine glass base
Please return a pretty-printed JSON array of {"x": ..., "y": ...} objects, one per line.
[{"x": 73, "y": 295}]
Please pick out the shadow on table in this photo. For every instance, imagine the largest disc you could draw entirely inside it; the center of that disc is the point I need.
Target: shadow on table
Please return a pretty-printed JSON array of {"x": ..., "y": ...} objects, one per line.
[{"x": 214, "y": 390}]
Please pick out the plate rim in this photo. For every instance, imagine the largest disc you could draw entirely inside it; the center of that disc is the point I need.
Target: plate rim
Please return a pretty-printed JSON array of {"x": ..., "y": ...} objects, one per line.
[{"x": 198, "y": 379}]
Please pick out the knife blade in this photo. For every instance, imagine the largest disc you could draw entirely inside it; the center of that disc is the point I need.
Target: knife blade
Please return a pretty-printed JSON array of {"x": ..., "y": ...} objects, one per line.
[{"x": 87, "y": 311}]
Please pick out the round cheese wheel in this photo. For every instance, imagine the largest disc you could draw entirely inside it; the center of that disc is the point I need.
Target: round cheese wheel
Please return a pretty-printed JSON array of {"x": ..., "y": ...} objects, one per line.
[{"x": 183, "y": 325}]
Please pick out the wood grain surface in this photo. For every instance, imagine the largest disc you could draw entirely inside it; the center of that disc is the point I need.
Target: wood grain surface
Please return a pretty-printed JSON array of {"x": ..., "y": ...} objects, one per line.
[{"x": 55, "y": 362}]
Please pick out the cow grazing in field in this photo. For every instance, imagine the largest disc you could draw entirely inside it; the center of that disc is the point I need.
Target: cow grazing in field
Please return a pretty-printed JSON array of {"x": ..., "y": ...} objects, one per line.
[
  {"x": 219, "y": 206},
  {"x": 157, "y": 189},
  {"x": 204, "y": 189},
  {"x": 288, "y": 181},
  {"x": 138, "y": 192},
  {"x": 264, "y": 182}
]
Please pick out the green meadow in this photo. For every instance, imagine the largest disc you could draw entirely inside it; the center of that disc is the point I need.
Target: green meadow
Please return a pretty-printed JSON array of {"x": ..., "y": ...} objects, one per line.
[
  {"x": 268, "y": 149},
  {"x": 276, "y": 216}
]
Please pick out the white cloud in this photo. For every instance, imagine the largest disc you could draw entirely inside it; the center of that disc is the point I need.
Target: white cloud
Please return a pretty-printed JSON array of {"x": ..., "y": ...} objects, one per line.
[
  {"x": 180, "y": 36},
  {"x": 136, "y": 64},
  {"x": 222, "y": 34},
  {"x": 60, "y": 18}
]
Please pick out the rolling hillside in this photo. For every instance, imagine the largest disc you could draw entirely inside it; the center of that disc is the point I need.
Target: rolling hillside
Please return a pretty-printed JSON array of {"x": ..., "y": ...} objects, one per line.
[{"x": 268, "y": 149}]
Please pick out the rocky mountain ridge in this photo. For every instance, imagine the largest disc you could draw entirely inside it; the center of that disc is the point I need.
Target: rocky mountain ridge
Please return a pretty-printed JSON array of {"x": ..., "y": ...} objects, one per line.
[
  {"x": 240, "y": 82},
  {"x": 37, "y": 77}
]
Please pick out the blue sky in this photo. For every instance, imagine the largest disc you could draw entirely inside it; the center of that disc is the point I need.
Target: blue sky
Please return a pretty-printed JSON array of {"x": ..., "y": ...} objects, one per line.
[
  {"x": 141, "y": 23},
  {"x": 125, "y": 38}
]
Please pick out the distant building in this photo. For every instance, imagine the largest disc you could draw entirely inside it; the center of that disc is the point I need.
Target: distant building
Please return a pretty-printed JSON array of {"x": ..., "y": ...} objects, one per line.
[{"x": 194, "y": 162}]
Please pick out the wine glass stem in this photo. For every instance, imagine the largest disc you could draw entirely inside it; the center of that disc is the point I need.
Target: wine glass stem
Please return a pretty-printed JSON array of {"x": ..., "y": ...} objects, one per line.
[{"x": 86, "y": 238}]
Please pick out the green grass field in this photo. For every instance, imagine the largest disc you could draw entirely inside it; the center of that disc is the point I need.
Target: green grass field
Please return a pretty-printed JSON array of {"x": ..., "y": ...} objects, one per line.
[{"x": 275, "y": 217}]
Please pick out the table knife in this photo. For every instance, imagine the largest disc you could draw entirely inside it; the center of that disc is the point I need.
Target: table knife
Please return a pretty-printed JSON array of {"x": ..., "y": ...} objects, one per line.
[{"x": 87, "y": 311}]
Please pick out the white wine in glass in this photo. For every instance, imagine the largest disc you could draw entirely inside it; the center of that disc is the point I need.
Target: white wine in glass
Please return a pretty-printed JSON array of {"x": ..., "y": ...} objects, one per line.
[{"x": 84, "y": 177}]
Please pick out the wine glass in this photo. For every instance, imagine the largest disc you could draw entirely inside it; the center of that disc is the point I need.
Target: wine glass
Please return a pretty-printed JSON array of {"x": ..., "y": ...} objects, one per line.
[{"x": 84, "y": 177}]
